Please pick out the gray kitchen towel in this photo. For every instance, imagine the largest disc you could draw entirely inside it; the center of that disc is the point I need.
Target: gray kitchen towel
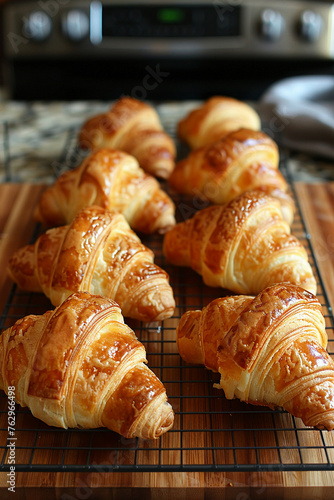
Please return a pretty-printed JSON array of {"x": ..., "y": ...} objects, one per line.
[{"x": 298, "y": 113}]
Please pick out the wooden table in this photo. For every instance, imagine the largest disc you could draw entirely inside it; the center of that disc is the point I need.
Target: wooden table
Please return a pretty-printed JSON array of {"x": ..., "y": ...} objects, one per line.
[{"x": 17, "y": 226}]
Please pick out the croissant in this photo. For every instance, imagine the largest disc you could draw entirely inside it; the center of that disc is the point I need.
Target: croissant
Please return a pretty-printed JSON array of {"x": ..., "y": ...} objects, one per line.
[
  {"x": 214, "y": 119},
  {"x": 243, "y": 246},
  {"x": 269, "y": 350},
  {"x": 240, "y": 161},
  {"x": 81, "y": 366},
  {"x": 97, "y": 253},
  {"x": 134, "y": 127},
  {"x": 113, "y": 180}
]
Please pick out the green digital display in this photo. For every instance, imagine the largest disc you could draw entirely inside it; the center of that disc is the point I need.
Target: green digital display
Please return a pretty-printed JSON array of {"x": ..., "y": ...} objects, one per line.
[
  {"x": 169, "y": 21},
  {"x": 170, "y": 15}
]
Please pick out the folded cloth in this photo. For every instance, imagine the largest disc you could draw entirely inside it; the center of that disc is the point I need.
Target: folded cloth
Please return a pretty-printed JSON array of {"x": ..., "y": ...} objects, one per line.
[{"x": 298, "y": 113}]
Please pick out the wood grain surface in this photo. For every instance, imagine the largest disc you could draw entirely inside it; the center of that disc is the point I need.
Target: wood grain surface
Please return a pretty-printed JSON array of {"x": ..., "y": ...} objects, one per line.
[
  {"x": 17, "y": 202},
  {"x": 317, "y": 205},
  {"x": 17, "y": 228}
]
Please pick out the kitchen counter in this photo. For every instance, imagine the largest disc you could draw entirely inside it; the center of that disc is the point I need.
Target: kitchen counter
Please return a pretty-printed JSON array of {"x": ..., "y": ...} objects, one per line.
[
  {"x": 254, "y": 453},
  {"x": 36, "y": 140}
]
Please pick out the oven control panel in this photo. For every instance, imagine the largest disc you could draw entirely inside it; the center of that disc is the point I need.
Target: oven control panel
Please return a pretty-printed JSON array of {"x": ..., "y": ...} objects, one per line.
[{"x": 213, "y": 28}]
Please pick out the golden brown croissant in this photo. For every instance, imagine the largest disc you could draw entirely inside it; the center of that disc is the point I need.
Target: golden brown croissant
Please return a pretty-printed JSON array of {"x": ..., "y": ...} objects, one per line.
[
  {"x": 81, "y": 366},
  {"x": 269, "y": 350},
  {"x": 214, "y": 119},
  {"x": 97, "y": 253},
  {"x": 243, "y": 246},
  {"x": 134, "y": 127},
  {"x": 113, "y": 180},
  {"x": 243, "y": 160}
]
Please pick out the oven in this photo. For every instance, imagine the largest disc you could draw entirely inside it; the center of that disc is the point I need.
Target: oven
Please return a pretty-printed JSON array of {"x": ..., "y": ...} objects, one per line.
[{"x": 81, "y": 49}]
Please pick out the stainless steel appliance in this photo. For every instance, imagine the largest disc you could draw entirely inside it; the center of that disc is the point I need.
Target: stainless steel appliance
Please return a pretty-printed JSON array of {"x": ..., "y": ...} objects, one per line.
[{"x": 162, "y": 50}]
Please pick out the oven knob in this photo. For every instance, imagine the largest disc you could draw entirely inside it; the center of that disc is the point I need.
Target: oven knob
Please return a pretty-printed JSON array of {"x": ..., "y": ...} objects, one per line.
[
  {"x": 310, "y": 26},
  {"x": 271, "y": 25},
  {"x": 37, "y": 26},
  {"x": 75, "y": 25}
]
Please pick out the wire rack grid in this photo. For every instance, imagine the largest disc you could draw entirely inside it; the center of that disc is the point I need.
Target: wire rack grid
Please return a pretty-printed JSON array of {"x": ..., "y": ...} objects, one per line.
[{"x": 210, "y": 433}]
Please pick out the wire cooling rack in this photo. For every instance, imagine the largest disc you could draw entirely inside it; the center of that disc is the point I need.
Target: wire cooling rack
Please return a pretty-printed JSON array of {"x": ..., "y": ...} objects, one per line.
[{"x": 210, "y": 433}]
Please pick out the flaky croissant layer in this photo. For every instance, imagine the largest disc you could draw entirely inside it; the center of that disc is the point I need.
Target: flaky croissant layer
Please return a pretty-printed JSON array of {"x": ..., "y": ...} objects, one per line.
[
  {"x": 269, "y": 350},
  {"x": 214, "y": 119},
  {"x": 243, "y": 160},
  {"x": 243, "y": 246},
  {"x": 97, "y": 253},
  {"x": 132, "y": 126},
  {"x": 113, "y": 180},
  {"x": 81, "y": 366}
]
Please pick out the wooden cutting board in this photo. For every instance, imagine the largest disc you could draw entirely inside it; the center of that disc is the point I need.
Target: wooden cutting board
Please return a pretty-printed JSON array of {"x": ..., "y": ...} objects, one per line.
[
  {"x": 317, "y": 206},
  {"x": 17, "y": 202},
  {"x": 17, "y": 227}
]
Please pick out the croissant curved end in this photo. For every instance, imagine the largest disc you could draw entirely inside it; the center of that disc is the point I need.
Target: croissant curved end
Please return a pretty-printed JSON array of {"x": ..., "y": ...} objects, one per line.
[
  {"x": 152, "y": 305},
  {"x": 310, "y": 285},
  {"x": 327, "y": 425},
  {"x": 165, "y": 314},
  {"x": 163, "y": 167},
  {"x": 165, "y": 421},
  {"x": 157, "y": 419},
  {"x": 168, "y": 223}
]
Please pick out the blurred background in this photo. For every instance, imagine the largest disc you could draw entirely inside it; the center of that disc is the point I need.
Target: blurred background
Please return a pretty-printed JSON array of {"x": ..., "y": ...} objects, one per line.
[{"x": 160, "y": 50}]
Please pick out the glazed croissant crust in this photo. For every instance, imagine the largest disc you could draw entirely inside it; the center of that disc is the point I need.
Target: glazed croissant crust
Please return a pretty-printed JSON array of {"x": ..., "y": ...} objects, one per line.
[
  {"x": 134, "y": 127},
  {"x": 269, "y": 350},
  {"x": 113, "y": 180},
  {"x": 214, "y": 119},
  {"x": 97, "y": 253},
  {"x": 243, "y": 246},
  {"x": 241, "y": 161},
  {"x": 81, "y": 366}
]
